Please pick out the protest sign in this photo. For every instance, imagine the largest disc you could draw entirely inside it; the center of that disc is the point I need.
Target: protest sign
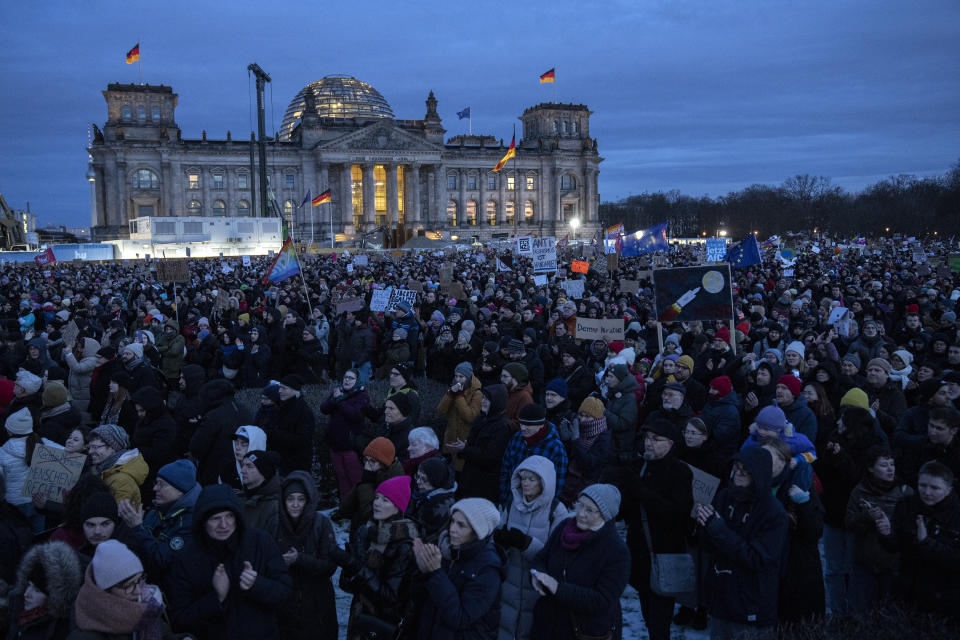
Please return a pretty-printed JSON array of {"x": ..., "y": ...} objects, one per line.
[
  {"x": 954, "y": 262},
  {"x": 454, "y": 290},
  {"x": 414, "y": 285},
  {"x": 704, "y": 488},
  {"x": 544, "y": 255},
  {"x": 52, "y": 470},
  {"x": 380, "y": 299},
  {"x": 524, "y": 245},
  {"x": 173, "y": 270},
  {"x": 613, "y": 262},
  {"x": 540, "y": 281},
  {"x": 629, "y": 286},
  {"x": 361, "y": 261},
  {"x": 401, "y": 294},
  {"x": 246, "y": 261},
  {"x": 446, "y": 272},
  {"x": 693, "y": 293},
  {"x": 349, "y": 304},
  {"x": 69, "y": 333},
  {"x": 591, "y": 329},
  {"x": 716, "y": 249},
  {"x": 574, "y": 288},
  {"x": 580, "y": 266},
  {"x": 350, "y": 267}
]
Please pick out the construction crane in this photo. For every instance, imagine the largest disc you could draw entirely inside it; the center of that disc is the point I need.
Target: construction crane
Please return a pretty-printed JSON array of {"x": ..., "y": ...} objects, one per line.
[{"x": 11, "y": 227}]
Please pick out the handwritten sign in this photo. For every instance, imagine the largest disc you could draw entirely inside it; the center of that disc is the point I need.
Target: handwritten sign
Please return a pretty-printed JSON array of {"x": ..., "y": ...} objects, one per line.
[
  {"x": 704, "y": 488},
  {"x": 574, "y": 288},
  {"x": 380, "y": 299},
  {"x": 51, "y": 471},
  {"x": 173, "y": 270},
  {"x": 544, "y": 254},
  {"x": 580, "y": 266},
  {"x": 401, "y": 294},
  {"x": 613, "y": 262},
  {"x": 350, "y": 304},
  {"x": 540, "y": 281},
  {"x": 246, "y": 261},
  {"x": 361, "y": 261},
  {"x": 69, "y": 333},
  {"x": 446, "y": 272},
  {"x": 590, "y": 329},
  {"x": 629, "y": 286}
]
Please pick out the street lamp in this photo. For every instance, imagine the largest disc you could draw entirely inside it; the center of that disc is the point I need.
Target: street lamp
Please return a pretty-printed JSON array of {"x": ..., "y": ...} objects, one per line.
[
  {"x": 574, "y": 225},
  {"x": 723, "y": 233}
]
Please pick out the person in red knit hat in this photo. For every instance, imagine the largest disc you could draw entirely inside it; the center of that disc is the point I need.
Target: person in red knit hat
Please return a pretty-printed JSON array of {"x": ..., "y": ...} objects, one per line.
[{"x": 721, "y": 414}]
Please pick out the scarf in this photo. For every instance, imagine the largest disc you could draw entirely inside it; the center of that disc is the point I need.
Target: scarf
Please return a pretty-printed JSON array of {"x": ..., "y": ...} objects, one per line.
[
  {"x": 573, "y": 536},
  {"x": 97, "y": 610},
  {"x": 29, "y": 616},
  {"x": 537, "y": 437},
  {"x": 901, "y": 375},
  {"x": 590, "y": 430},
  {"x": 876, "y": 485}
]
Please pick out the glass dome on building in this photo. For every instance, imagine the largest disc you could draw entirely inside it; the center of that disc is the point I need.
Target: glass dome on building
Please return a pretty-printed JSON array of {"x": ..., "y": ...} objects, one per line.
[{"x": 336, "y": 97}]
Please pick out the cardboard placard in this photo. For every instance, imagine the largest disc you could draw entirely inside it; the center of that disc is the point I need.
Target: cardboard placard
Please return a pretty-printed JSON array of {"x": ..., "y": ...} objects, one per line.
[
  {"x": 52, "y": 470},
  {"x": 574, "y": 288},
  {"x": 613, "y": 262},
  {"x": 704, "y": 488},
  {"x": 446, "y": 272},
  {"x": 401, "y": 294},
  {"x": 349, "y": 304},
  {"x": 590, "y": 329},
  {"x": 629, "y": 286},
  {"x": 380, "y": 299},
  {"x": 414, "y": 285},
  {"x": 544, "y": 254},
  {"x": 173, "y": 270},
  {"x": 580, "y": 266},
  {"x": 69, "y": 333},
  {"x": 454, "y": 290}
]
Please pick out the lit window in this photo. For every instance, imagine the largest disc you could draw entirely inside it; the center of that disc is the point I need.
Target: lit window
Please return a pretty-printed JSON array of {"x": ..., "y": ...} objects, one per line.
[
  {"x": 380, "y": 194},
  {"x": 528, "y": 211},
  {"x": 451, "y": 181},
  {"x": 242, "y": 181},
  {"x": 126, "y": 112},
  {"x": 290, "y": 181},
  {"x": 145, "y": 179},
  {"x": 569, "y": 211},
  {"x": 219, "y": 208},
  {"x": 472, "y": 182},
  {"x": 288, "y": 208},
  {"x": 218, "y": 182},
  {"x": 555, "y": 126},
  {"x": 141, "y": 112},
  {"x": 195, "y": 208},
  {"x": 491, "y": 213},
  {"x": 508, "y": 211},
  {"x": 145, "y": 210},
  {"x": 568, "y": 183},
  {"x": 243, "y": 209},
  {"x": 511, "y": 183},
  {"x": 452, "y": 213},
  {"x": 531, "y": 183},
  {"x": 401, "y": 191},
  {"x": 155, "y": 112},
  {"x": 472, "y": 213},
  {"x": 193, "y": 181},
  {"x": 491, "y": 182}
]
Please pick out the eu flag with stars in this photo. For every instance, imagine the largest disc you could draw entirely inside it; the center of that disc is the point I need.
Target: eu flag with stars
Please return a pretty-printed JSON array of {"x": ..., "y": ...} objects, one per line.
[
  {"x": 464, "y": 114},
  {"x": 744, "y": 253},
  {"x": 645, "y": 241}
]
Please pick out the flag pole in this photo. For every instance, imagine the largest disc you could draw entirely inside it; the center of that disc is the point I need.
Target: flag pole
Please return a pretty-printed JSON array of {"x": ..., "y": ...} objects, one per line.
[
  {"x": 470, "y": 120},
  {"x": 555, "y": 85},
  {"x": 516, "y": 200},
  {"x": 139, "y": 63}
]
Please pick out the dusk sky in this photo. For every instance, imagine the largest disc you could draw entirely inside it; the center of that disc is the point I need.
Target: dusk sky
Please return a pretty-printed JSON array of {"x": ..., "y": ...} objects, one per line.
[{"x": 704, "y": 97}]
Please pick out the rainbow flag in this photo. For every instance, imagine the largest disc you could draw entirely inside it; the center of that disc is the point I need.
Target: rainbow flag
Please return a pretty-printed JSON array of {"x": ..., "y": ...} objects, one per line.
[
  {"x": 284, "y": 266},
  {"x": 134, "y": 54},
  {"x": 511, "y": 153},
  {"x": 549, "y": 76},
  {"x": 320, "y": 199}
]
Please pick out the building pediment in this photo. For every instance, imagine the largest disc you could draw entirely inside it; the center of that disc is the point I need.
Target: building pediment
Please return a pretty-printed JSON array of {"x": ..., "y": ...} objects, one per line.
[{"x": 379, "y": 137}]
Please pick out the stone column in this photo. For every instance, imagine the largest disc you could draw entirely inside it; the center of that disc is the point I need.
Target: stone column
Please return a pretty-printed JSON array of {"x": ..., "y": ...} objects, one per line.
[
  {"x": 94, "y": 217},
  {"x": 590, "y": 186},
  {"x": 206, "y": 176},
  {"x": 166, "y": 189},
  {"x": 502, "y": 214},
  {"x": 412, "y": 185},
  {"x": 558, "y": 201},
  {"x": 119, "y": 217},
  {"x": 229, "y": 194},
  {"x": 462, "y": 197},
  {"x": 438, "y": 204},
  {"x": 393, "y": 210},
  {"x": 482, "y": 205},
  {"x": 176, "y": 187},
  {"x": 369, "y": 210},
  {"x": 346, "y": 195}
]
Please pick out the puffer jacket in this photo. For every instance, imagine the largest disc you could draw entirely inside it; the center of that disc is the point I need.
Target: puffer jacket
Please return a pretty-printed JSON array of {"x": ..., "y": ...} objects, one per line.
[
  {"x": 460, "y": 409},
  {"x": 869, "y": 552},
  {"x": 14, "y": 467},
  {"x": 722, "y": 417},
  {"x": 536, "y": 518},
  {"x": 126, "y": 476},
  {"x": 802, "y": 418},
  {"x": 486, "y": 444},
  {"x": 81, "y": 371},
  {"x": 171, "y": 348}
]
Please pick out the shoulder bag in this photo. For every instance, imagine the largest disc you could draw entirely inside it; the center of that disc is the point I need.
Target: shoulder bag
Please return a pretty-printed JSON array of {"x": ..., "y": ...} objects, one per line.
[{"x": 671, "y": 574}]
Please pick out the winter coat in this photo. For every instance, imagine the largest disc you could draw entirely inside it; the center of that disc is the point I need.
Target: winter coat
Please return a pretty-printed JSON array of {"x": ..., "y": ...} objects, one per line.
[
  {"x": 245, "y": 614},
  {"x": 126, "y": 476},
  {"x": 358, "y": 505},
  {"x": 261, "y": 506},
  {"x": 621, "y": 415},
  {"x": 748, "y": 537},
  {"x": 486, "y": 444},
  {"x": 517, "y": 398},
  {"x": 188, "y": 407},
  {"x": 460, "y": 409},
  {"x": 100, "y": 386},
  {"x": 868, "y": 547},
  {"x": 536, "y": 518},
  {"x": 212, "y": 442},
  {"x": 802, "y": 418},
  {"x": 893, "y": 404},
  {"x": 155, "y": 434},
  {"x": 579, "y": 383},
  {"x": 230, "y": 469},
  {"x": 312, "y": 612},
  {"x": 586, "y": 464},
  {"x": 81, "y": 371},
  {"x": 722, "y": 417},
  {"x": 171, "y": 348},
  {"x": 592, "y": 578},
  {"x": 164, "y": 533},
  {"x": 911, "y": 430},
  {"x": 912, "y": 459},
  {"x": 292, "y": 438},
  {"x": 61, "y": 567},
  {"x": 463, "y": 596},
  {"x": 801, "y": 593},
  {"x": 56, "y": 423},
  {"x": 255, "y": 367},
  {"x": 13, "y": 468},
  {"x": 840, "y": 472},
  {"x": 346, "y": 418},
  {"x": 431, "y": 510},
  {"x": 550, "y": 447}
]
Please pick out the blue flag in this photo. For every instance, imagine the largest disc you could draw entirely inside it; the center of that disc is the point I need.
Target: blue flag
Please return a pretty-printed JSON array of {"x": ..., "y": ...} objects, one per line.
[
  {"x": 645, "y": 241},
  {"x": 744, "y": 253},
  {"x": 464, "y": 114},
  {"x": 305, "y": 200}
]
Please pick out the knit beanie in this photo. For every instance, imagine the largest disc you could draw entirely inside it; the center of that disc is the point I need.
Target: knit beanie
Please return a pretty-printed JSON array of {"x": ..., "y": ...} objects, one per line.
[
  {"x": 464, "y": 336},
  {"x": 438, "y": 472},
  {"x": 723, "y": 334},
  {"x": 592, "y": 407},
  {"x": 686, "y": 361},
  {"x": 404, "y": 370},
  {"x": 397, "y": 491},
  {"x": 518, "y": 372},
  {"x": 244, "y": 317},
  {"x": 101, "y": 504},
  {"x": 772, "y": 418},
  {"x": 558, "y": 386},
  {"x": 113, "y": 563},
  {"x": 29, "y": 382},
  {"x": 180, "y": 474},
  {"x": 482, "y": 515},
  {"x": 135, "y": 348},
  {"x": 904, "y": 355},
  {"x": 856, "y": 397},
  {"x": 620, "y": 371},
  {"x": 606, "y": 497},
  {"x": 723, "y": 386},
  {"x": 854, "y": 358},
  {"x": 19, "y": 423},
  {"x": 516, "y": 346},
  {"x": 465, "y": 369},
  {"x": 792, "y": 383},
  {"x": 879, "y": 362},
  {"x": 266, "y": 462},
  {"x": 532, "y": 414},
  {"x": 108, "y": 353},
  {"x": 664, "y": 428},
  {"x": 292, "y": 381},
  {"x": 272, "y": 393},
  {"x": 114, "y": 436},
  {"x": 382, "y": 450},
  {"x": 54, "y": 394},
  {"x": 403, "y": 402},
  {"x": 796, "y": 346}
]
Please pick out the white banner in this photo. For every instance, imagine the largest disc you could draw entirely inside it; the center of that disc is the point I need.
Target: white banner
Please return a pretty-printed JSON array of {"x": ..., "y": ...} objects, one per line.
[
  {"x": 544, "y": 254},
  {"x": 380, "y": 299},
  {"x": 540, "y": 281}
]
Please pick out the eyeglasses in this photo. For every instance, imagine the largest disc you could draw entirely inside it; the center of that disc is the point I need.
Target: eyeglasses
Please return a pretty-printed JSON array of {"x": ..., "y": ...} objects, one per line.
[
  {"x": 93, "y": 446},
  {"x": 367, "y": 459},
  {"x": 130, "y": 585},
  {"x": 655, "y": 438}
]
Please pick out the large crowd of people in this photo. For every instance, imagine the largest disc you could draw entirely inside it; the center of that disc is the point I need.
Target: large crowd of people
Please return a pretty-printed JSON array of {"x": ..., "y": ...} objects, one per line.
[{"x": 792, "y": 463}]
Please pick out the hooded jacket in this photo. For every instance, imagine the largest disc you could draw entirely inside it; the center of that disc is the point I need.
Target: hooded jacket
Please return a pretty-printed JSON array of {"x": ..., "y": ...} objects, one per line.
[
  {"x": 61, "y": 567},
  {"x": 748, "y": 537},
  {"x": 81, "y": 371},
  {"x": 126, "y": 476},
  {"x": 190, "y": 406},
  {"x": 164, "y": 532},
  {"x": 211, "y": 444},
  {"x": 171, "y": 348},
  {"x": 621, "y": 415},
  {"x": 486, "y": 443},
  {"x": 722, "y": 417},
  {"x": 261, "y": 506},
  {"x": 244, "y": 614},
  {"x": 292, "y": 436},
  {"x": 536, "y": 518},
  {"x": 155, "y": 434},
  {"x": 230, "y": 469},
  {"x": 460, "y": 409}
]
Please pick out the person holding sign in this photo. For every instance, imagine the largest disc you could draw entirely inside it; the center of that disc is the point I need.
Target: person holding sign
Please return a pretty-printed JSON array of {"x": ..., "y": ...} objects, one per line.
[{"x": 15, "y": 455}]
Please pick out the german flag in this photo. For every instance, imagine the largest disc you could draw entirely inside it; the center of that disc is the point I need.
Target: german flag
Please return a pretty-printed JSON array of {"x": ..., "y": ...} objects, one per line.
[
  {"x": 320, "y": 199},
  {"x": 549, "y": 76},
  {"x": 134, "y": 54},
  {"x": 511, "y": 153}
]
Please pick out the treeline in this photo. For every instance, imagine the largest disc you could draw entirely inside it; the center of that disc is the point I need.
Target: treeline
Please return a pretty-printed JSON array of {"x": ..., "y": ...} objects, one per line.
[{"x": 903, "y": 203}]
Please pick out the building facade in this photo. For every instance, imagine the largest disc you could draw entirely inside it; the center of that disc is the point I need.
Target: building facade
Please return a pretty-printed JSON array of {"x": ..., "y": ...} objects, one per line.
[{"x": 398, "y": 176}]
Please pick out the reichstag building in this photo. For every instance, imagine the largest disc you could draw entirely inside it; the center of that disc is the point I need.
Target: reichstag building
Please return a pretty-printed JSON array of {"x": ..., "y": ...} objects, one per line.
[{"x": 338, "y": 133}]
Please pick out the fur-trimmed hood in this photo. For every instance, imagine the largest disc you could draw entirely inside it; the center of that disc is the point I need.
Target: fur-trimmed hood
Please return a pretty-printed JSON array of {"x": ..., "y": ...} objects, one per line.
[{"x": 61, "y": 565}]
